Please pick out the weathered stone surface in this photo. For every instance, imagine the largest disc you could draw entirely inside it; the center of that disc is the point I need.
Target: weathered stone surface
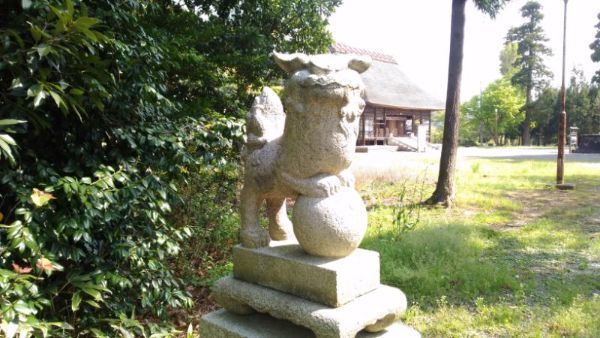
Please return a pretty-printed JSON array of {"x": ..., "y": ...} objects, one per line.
[
  {"x": 330, "y": 226},
  {"x": 222, "y": 324},
  {"x": 310, "y": 153},
  {"x": 286, "y": 267},
  {"x": 342, "y": 322}
]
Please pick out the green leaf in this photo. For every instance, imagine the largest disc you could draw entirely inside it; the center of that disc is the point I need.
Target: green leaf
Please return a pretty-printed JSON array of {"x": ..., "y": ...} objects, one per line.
[
  {"x": 16, "y": 83},
  {"x": 24, "y": 308},
  {"x": 89, "y": 34},
  {"x": 43, "y": 50},
  {"x": 76, "y": 91},
  {"x": 39, "y": 98},
  {"x": 34, "y": 90},
  {"x": 8, "y": 139},
  {"x": 62, "y": 16},
  {"x": 36, "y": 32},
  {"x": 6, "y": 151},
  {"x": 90, "y": 290},
  {"x": 85, "y": 22},
  {"x": 10, "y": 122},
  {"x": 57, "y": 99},
  {"x": 97, "y": 333},
  {"x": 93, "y": 303},
  {"x": 75, "y": 301},
  {"x": 70, "y": 8},
  {"x": 25, "y": 4}
]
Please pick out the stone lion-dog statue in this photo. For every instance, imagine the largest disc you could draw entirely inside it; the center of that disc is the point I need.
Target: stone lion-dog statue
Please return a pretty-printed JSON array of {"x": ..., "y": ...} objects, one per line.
[{"x": 308, "y": 149}]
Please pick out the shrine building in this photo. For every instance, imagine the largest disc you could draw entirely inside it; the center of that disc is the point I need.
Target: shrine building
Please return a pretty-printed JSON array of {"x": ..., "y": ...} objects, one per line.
[{"x": 395, "y": 106}]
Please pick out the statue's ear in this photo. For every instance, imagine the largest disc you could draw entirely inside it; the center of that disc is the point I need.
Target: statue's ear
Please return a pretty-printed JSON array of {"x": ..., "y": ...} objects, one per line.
[
  {"x": 359, "y": 63},
  {"x": 291, "y": 63}
]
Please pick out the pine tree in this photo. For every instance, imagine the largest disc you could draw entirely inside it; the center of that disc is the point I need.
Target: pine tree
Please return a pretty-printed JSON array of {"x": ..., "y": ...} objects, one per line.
[
  {"x": 532, "y": 74},
  {"x": 595, "y": 46}
]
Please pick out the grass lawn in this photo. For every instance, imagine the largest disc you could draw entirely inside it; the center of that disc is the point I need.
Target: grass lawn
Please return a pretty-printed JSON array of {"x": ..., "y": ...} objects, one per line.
[{"x": 514, "y": 257}]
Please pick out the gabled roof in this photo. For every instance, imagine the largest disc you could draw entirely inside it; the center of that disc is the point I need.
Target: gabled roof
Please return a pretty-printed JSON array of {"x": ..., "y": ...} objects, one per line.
[{"x": 386, "y": 85}]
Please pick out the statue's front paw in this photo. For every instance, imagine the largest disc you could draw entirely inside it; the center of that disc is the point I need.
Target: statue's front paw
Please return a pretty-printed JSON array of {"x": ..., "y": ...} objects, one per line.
[
  {"x": 327, "y": 186},
  {"x": 255, "y": 238},
  {"x": 347, "y": 178}
]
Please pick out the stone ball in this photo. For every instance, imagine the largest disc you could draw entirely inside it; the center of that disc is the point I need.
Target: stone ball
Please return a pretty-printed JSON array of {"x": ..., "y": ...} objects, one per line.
[{"x": 330, "y": 226}]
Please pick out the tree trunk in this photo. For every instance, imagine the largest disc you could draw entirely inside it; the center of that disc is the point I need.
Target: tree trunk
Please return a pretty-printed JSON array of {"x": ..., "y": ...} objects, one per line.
[{"x": 444, "y": 191}]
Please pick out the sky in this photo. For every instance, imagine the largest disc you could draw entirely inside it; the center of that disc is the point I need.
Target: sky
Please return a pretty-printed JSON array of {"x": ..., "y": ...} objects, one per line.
[{"x": 417, "y": 34}]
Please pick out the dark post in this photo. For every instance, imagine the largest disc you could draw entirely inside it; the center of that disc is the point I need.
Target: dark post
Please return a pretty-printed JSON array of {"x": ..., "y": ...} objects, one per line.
[
  {"x": 562, "y": 118},
  {"x": 429, "y": 131},
  {"x": 364, "y": 131},
  {"x": 385, "y": 128}
]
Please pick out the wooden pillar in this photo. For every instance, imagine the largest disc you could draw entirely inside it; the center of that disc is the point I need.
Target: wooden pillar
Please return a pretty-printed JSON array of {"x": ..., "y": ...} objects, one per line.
[
  {"x": 364, "y": 131},
  {"x": 429, "y": 131},
  {"x": 375, "y": 127},
  {"x": 385, "y": 131}
]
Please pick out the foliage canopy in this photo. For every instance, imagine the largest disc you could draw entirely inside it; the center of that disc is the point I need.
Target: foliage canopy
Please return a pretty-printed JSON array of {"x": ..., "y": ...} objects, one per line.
[{"x": 498, "y": 111}]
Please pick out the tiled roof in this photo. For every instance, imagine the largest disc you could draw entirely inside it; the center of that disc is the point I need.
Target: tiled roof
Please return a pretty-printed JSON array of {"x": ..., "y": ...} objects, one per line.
[{"x": 340, "y": 48}]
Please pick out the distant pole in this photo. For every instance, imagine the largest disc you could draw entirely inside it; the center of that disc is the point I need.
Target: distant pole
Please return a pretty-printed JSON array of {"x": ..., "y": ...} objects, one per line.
[{"x": 562, "y": 118}]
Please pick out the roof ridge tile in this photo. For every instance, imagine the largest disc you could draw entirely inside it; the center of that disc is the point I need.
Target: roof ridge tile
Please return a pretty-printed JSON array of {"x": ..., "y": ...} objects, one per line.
[{"x": 340, "y": 48}]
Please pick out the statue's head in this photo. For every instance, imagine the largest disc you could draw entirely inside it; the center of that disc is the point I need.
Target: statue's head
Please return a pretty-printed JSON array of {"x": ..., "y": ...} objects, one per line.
[
  {"x": 324, "y": 70},
  {"x": 326, "y": 77}
]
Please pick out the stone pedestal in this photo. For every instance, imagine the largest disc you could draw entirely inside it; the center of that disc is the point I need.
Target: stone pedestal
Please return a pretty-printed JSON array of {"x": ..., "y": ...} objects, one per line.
[
  {"x": 284, "y": 266},
  {"x": 280, "y": 291},
  {"x": 223, "y": 324}
]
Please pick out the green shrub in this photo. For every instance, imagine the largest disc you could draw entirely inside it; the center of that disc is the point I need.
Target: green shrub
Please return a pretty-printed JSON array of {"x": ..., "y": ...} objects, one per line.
[
  {"x": 85, "y": 236},
  {"x": 129, "y": 149}
]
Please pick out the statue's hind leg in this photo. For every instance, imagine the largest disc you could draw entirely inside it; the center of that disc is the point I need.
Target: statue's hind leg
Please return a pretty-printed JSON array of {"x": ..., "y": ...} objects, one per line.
[
  {"x": 280, "y": 227},
  {"x": 252, "y": 234}
]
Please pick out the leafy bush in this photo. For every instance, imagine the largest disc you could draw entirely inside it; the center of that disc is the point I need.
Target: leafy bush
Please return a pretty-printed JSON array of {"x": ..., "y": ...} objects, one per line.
[
  {"x": 84, "y": 211},
  {"x": 129, "y": 149}
]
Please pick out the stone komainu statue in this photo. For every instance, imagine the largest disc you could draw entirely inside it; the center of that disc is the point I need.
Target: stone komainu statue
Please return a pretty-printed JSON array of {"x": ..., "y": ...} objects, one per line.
[{"x": 305, "y": 151}]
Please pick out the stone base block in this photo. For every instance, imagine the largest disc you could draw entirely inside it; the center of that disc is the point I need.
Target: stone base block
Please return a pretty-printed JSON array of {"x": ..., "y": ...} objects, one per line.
[
  {"x": 284, "y": 266},
  {"x": 373, "y": 311},
  {"x": 223, "y": 324}
]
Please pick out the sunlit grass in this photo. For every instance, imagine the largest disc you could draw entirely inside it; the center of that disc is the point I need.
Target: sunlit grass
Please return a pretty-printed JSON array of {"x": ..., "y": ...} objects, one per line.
[{"x": 514, "y": 257}]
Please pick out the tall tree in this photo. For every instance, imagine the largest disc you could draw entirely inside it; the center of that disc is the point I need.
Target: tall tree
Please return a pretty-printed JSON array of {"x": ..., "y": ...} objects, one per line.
[
  {"x": 500, "y": 110},
  {"x": 445, "y": 191},
  {"x": 595, "y": 46},
  {"x": 497, "y": 111},
  {"x": 532, "y": 74}
]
